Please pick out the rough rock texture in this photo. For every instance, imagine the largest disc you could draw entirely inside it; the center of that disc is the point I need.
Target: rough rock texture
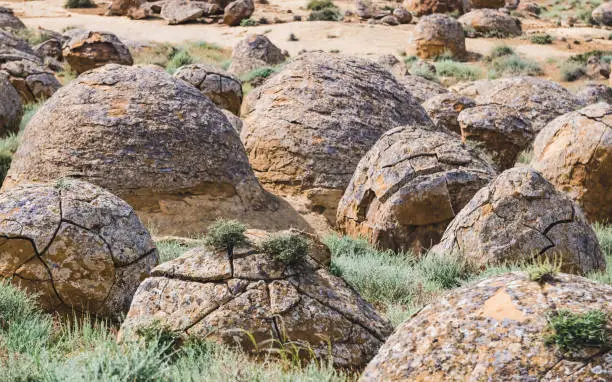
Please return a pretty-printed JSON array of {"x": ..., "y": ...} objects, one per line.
[
  {"x": 603, "y": 14},
  {"x": 390, "y": 20},
  {"x": 207, "y": 294},
  {"x": 10, "y": 107},
  {"x": 491, "y": 23},
  {"x": 181, "y": 11},
  {"x": 472, "y": 89},
  {"x": 427, "y": 7},
  {"x": 50, "y": 48},
  {"x": 392, "y": 64},
  {"x": 307, "y": 127},
  {"x": 476, "y": 4},
  {"x": 254, "y": 52},
  {"x": 151, "y": 139},
  {"x": 498, "y": 131},
  {"x": 592, "y": 93},
  {"x": 512, "y": 4},
  {"x": 535, "y": 99},
  {"x": 234, "y": 120},
  {"x": 8, "y": 20},
  {"x": 444, "y": 108},
  {"x": 238, "y": 10},
  {"x": 420, "y": 88},
  {"x": 574, "y": 152},
  {"x": 123, "y": 7},
  {"x": 494, "y": 331},
  {"x": 364, "y": 9},
  {"x": 77, "y": 245},
  {"x": 520, "y": 216},
  {"x": 437, "y": 34},
  {"x": 597, "y": 69},
  {"x": 402, "y": 15},
  {"x": 90, "y": 50},
  {"x": 409, "y": 186},
  {"x": 224, "y": 89}
]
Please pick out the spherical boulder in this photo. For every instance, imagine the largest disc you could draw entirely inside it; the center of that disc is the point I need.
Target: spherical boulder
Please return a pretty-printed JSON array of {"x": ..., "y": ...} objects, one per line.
[
  {"x": 123, "y": 7},
  {"x": 535, "y": 99},
  {"x": 153, "y": 140},
  {"x": 9, "y": 21},
  {"x": 238, "y": 10},
  {"x": 491, "y": 23},
  {"x": 444, "y": 109},
  {"x": 90, "y": 50},
  {"x": 603, "y": 14},
  {"x": 574, "y": 152},
  {"x": 11, "y": 109},
  {"x": 306, "y": 128},
  {"x": 496, "y": 130},
  {"x": 420, "y": 88},
  {"x": 254, "y": 52},
  {"x": 438, "y": 34},
  {"x": 75, "y": 245},
  {"x": 592, "y": 93},
  {"x": 427, "y": 7},
  {"x": 224, "y": 89},
  {"x": 520, "y": 216},
  {"x": 496, "y": 330},
  {"x": 409, "y": 186},
  {"x": 250, "y": 296}
]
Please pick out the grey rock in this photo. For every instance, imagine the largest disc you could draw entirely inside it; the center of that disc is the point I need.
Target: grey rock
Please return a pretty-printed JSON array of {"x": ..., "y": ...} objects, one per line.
[{"x": 254, "y": 52}]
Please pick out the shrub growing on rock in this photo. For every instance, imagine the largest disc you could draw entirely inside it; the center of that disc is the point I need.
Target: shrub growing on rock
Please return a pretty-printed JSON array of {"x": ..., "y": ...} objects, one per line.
[
  {"x": 287, "y": 248},
  {"x": 571, "y": 331},
  {"x": 226, "y": 234}
]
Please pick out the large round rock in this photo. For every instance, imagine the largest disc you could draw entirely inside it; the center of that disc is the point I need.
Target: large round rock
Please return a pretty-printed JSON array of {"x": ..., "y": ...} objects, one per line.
[
  {"x": 10, "y": 107},
  {"x": 427, "y": 7},
  {"x": 409, "y": 186},
  {"x": 496, "y": 330},
  {"x": 307, "y": 127},
  {"x": 574, "y": 152},
  {"x": 521, "y": 217},
  {"x": 491, "y": 23},
  {"x": 153, "y": 140},
  {"x": 255, "y": 51},
  {"x": 437, "y": 34},
  {"x": 75, "y": 245},
  {"x": 251, "y": 296},
  {"x": 90, "y": 50},
  {"x": 603, "y": 14}
]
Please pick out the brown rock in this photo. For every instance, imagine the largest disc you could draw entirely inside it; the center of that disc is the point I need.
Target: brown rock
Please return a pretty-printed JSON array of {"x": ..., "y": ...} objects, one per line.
[
  {"x": 238, "y": 10},
  {"x": 495, "y": 330},
  {"x": 206, "y": 294},
  {"x": 254, "y": 52},
  {"x": 518, "y": 217},
  {"x": 90, "y": 50},
  {"x": 123, "y": 7},
  {"x": 224, "y": 89},
  {"x": 10, "y": 107},
  {"x": 9, "y": 21},
  {"x": 496, "y": 130},
  {"x": 422, "y": 89},
  {"x": 574, "y": 152},
  {"x": 427, "y": 7},
  {"x": 597, "y": 69},
  {"x": 491, "y": 23},
  {"x": 182, "y": 11},
  {"x": 50, "y": 48},
  {"x": 307, "y": 127},
  {"x": 444, "y": 108},
  {"x": 78, "y": 246},
  {"x": 407, "y": 188},
  {"x": 476, "y": 4},
  {"x": 603, "y": 14},
  {"x": 437, "y": 34}
]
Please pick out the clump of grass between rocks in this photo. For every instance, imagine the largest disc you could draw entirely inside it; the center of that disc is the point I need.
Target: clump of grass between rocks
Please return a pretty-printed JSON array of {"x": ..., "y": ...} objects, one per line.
[
  {"x": 226, "y": 234},
  {"x": 570, "y": 331},
  {"x": 543, "y": 270},
  {"x": 287, "y": 248},
  {"x": 513, "y": 65}
]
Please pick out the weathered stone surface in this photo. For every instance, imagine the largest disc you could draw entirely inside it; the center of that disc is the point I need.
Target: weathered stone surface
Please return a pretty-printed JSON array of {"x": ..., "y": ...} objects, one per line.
[
  {"x": 520, "y": 216},
  {"x": 476, "y": 4},
  {"x": 597, "y": 69},
  {"x": 364, "y": 9},
  {"x": 307, "y": 127},
  {"x": 123, "y": 7},
  {"x": 238, "y": 10},
  {"x": 90, "y": 50},
  {"x": 234, "y": 120},
  {"x": 444, "y": 108},
  {"x": 603, "y": 14},
  {"x": 392, "y": 64},
  {"x": 427, "y": 7},
  {"x": 207, "y": 294},
  {"x": 50, "y": 48},
  {"x": 76, "y": 244},
  {"x": 153, "y": 140},
  {"x": 8, "y": 20},
  {"x": 592, "y": 93},
  {"x": 402, "y": 15},
  {"x": 472, "y": 88},
  {"x": 10, "y": 107},
  {"x": 420, "y": 88},
  {"x": 496, "y": 130},
  {"x": 491, "y": 23},
  {"x": 254, "y": 52},
  {"x": 436, "y": 34},
  {"x": 512, "y": 4},
  {"x": 390, "y": 20},
  {"x": 494, "y": 330},
  {"x": 574, "y": 152},
  {"x": 408, "y": 187},
  {"x": 32, "y": 81},
  {"x": 182, "y": 11},
  {"x": 224, "y": 89},
  {"x": 535, "y": 99}
]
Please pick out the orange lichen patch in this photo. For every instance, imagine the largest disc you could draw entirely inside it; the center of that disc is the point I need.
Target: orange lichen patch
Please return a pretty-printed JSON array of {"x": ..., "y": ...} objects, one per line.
[
  {"x": 14, "y": 253},
  {"x": 500, "y": 307},
  {"x": 119, "y": 108}
]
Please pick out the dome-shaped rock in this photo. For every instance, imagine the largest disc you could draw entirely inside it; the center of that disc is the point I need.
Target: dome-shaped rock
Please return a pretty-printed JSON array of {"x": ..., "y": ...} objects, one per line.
[
  {"x": 421, "y": 88},
  {"x": 444, "y": 108},
  {"x": 603, "y": 14},
  {"x": 254, "y": 52},
  {"x": 76, "y": 245},
  {"x": 409, "y": 186},
  {"x": 592, "y": 93},
  {"x": 520, "y": 216},
  {"x": 437, "y": 34},
  {"x": 427, "y": 7},
  {"x": 491, "y": 23},
  {"x": 90, "y": 50},
  {"x": 8, "y": 20}
]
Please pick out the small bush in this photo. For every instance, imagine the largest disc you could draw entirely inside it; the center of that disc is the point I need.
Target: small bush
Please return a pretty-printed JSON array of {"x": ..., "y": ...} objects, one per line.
[
  {"x": 318, "y": 5},
  {"x": 423, "y": 71},
  {"x": 458, "y": 70},
  {"x": 572, "y": 331},
  {"x": 249, "y": 23},
  {"x": 500, "y": 51},
  {"x": 541, "y": 39},
  {"x": 287, "y": 248},
  {"x": 264, "y": 72},
  {"x": 572, "y": 71},
  {"x": 226, "y": 234},
  {"x": 543, "y": 270},
  {"x": 181, "y": 58},
  {"x": 79, "y": 4},
  {"x": 327, "y": 14},
  {"x": 513, "y": 65}
]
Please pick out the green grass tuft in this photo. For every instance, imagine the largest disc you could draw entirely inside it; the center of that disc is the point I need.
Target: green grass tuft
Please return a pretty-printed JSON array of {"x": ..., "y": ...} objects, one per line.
[
  {"x": 317, "y": 5},
  {"x": 543, "y": 270},
  {"x": 572, "y": 71},
  {"x": 541, "y": 39},
  {"x": 181, "y": 58},
  {"x": 457, "y": 70},
  {"x": 287, "y": 248},
  {"x": 513, "y": 65},
  {"x": 249, "y": 23},
  {"x": 604, "y": 236},
  {"x": 570, "y": 331},
  {"x": 500, "y": 51}
]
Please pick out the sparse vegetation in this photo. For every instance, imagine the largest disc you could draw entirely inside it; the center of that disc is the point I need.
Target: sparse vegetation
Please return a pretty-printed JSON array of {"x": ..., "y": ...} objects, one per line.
[
  {"x": 317, "y": 5},
  {"x": 249, "y": 23},
  {"x": 543, "y": 270},
  {"x": 513, "y": 65},
  {"x": 500, "y": 51},
  {"x": 541, "y": 39},
  {"x": 226, "y": 234},
  {"x": 287, "y": 248},
  {"x": 572, "y": 71},
  {"x": 171, "y": 58},
  {"x": 79, "y": 4},
  {"x": 323, "y": 10},
  {"x": 570, "y": 331},
  {"x": 33, "y": 36},
  {"x": 457, "y": 70}
]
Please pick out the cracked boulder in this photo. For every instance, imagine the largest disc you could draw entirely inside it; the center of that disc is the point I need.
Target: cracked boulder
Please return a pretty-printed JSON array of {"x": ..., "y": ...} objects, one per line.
[
  {"x": 224, "y": 89},
  {"x": 155, "y": 141},
  {"x": 535, "y": 99},
  {"x": 255, "y": 51},
  {"x": 421, "y": 88},
  {"x": 574, "y": 152},
  {"x": 74, "y": 244},
  {"x": 251, "y": 296},
  {"x": 307, "y": 127},
  {"x": 494, "y": 330},
  {"x": 408, "y": 188},
  {"x": 518, "y": 217},
  {"x": 90, "y": 50},
  {"x": 437, "y": 34},
  {"x": 443, "y": 109},
  {"x": 498, "y": 131},
  {"x": 491, "y": 23},
  {"x": 11, "y": 109}
]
